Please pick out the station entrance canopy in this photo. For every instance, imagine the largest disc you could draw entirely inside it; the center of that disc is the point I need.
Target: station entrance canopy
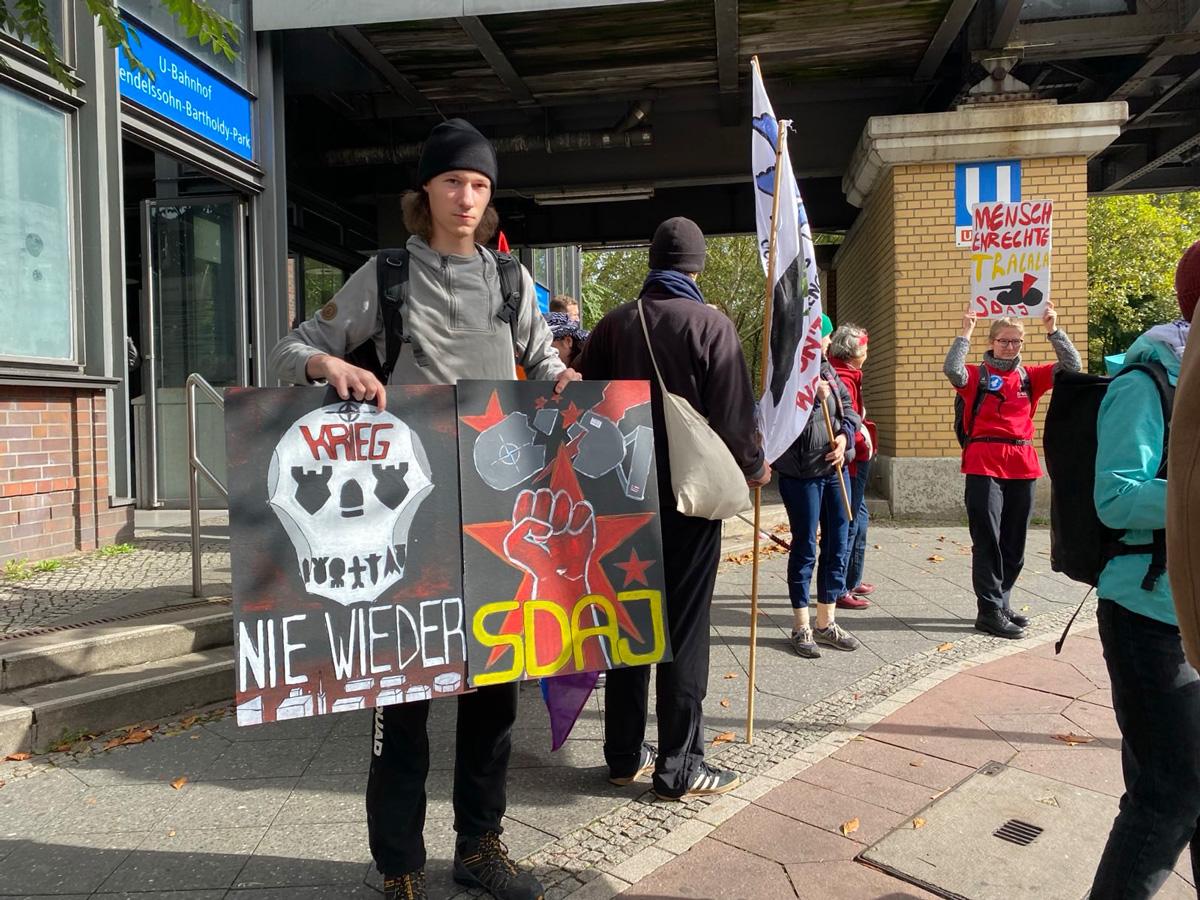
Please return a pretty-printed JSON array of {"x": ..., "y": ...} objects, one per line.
[{"x": 609, "y": 117}]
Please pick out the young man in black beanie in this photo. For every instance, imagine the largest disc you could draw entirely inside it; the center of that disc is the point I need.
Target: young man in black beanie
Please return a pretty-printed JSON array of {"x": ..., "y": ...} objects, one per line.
[
  {"x": 700, "y": 357},
  {"x": 451, "y": 305}
]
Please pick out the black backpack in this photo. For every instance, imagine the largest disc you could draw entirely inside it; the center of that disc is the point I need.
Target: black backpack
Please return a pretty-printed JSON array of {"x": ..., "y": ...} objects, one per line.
[
  {"x": 1080, "y": 544},
  {"x": 391, "y": 271},
  {"x": 964, "y": 426}
]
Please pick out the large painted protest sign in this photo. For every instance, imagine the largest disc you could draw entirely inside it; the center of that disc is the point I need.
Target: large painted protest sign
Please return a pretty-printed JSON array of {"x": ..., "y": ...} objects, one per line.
[
  {"x": 562, "y": 549},
  {"x": 346, "y": 550},
  {"x": 1010, "y": 258}
]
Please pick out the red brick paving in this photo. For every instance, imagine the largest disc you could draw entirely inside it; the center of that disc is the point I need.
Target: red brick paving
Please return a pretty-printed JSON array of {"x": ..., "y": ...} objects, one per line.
[{"x": 788, "y": 842}]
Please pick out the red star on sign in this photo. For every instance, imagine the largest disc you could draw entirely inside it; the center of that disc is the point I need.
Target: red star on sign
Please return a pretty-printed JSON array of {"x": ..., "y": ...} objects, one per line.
[
  {"x": 635, "y": 568},
  {"x": 490, "y": 416},
  {"x": 540, "y": 403},
  {"x": 571, "y": 415},
  {"x": 611, "y": 533}
]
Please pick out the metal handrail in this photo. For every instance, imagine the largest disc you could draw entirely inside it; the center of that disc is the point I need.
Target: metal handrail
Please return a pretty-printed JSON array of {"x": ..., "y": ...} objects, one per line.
[{"x": 196, "y": 468}]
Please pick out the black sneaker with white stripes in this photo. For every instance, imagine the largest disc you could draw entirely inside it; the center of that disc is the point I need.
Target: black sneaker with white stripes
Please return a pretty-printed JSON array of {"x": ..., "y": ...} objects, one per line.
[
  {"x": 707, "y": 780},
  {"x": 645, "y": 766}
]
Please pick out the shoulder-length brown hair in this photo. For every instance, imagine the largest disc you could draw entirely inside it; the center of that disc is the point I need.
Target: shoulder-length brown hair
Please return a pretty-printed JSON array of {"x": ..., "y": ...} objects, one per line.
[{"x": 418, "y": 219}]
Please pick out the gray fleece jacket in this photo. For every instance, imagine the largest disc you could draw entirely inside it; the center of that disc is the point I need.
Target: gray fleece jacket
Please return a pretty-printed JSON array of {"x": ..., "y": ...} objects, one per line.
[{"x": 451, "y": 313}]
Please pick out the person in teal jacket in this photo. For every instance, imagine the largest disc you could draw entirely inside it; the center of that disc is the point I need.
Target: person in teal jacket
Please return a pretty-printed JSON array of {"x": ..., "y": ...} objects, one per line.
[{"x": 1155, "y": 692}]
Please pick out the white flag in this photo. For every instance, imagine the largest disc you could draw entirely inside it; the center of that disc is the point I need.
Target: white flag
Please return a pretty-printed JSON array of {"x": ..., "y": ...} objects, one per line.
[{"x": 794, "y": 361}]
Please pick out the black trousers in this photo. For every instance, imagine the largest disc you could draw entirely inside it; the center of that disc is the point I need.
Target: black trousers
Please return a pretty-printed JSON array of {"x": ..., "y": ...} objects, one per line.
[
  {"x": 691, "y": 551},
  {"x": 998, "y": 512},
  {"x": 400, "y": 764},
  {"x": 1156, "y": 699}
]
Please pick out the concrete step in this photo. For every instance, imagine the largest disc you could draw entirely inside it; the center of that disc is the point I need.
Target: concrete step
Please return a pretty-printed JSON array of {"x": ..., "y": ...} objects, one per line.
[
  {"x": 71, "y": 653},
  {"x": 34, "y": 718}
]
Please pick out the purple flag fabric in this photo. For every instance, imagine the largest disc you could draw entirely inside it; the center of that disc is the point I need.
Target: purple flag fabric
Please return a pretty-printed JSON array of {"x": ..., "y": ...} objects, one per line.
[{"x": 565, "y": 697}]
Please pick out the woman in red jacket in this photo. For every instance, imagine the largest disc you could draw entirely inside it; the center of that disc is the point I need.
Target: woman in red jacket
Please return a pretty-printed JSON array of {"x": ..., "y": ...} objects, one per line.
[
  {"x": 847, "y": 355},
  {"x": 1000, "y": 397}
]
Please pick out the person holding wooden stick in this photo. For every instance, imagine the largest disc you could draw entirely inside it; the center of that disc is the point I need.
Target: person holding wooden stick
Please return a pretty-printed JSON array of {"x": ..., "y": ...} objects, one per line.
[{"x": 812, "y": 482}]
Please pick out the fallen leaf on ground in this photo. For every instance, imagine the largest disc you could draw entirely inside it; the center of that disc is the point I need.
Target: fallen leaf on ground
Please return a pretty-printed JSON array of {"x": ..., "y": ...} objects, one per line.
[
  {"x": 1071, "y": 739},
  {"x": 848, "y": 828},
  {"x": 857, "y": 695},
  {"x": 725, "y": 703},
  {"x": 859, "y": 738},
  {"x": 132, "y": 735},
  {"x": 189, "y": 721},
  {"x": 171, "y": 833},
  {"x": 723, "y": 738},
  {"x": 879, "y": 546},
  {"x": 941, "y": 539},
  {"x": 729, "y": 675},
  {"x": 936, "y": 558},
  {"x": 1025, "y": 608},
  {"x": 179, "y": 782},
  {"x": 90, "y": 801},
  {"x": 17, "y": 757},
  {"x": 1, "y": 783},
  {"x": 917, "y": 763},
  {"x": 195, "y": 737},
  {"x": 918, "y": 822},
  {"x": 942, "y": 648}
]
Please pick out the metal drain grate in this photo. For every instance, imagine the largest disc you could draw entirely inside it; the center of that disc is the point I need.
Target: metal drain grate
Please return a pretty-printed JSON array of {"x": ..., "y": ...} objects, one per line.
[
  {"x": 52, "y": 629},
  {"x": 1017, "y": 832}
]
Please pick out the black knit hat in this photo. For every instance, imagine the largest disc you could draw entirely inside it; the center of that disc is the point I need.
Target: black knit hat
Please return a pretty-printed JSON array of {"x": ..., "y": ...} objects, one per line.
[
  {"x": 679, "y": 245},
  {"x": 456, "y": 144}
]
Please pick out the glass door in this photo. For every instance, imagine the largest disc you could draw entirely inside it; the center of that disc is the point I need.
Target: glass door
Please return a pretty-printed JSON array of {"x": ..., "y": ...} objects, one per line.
[{"x": 194, "y": 316}]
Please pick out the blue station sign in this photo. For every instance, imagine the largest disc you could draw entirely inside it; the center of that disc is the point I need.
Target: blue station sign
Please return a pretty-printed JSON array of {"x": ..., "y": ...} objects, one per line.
[{"x": 186, "y": 93}]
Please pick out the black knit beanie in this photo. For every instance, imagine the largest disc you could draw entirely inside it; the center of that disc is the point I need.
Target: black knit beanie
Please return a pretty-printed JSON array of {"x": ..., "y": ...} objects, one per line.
[
  {"x": 456, "y": 144},
  {"x": 679, "y": 245}
]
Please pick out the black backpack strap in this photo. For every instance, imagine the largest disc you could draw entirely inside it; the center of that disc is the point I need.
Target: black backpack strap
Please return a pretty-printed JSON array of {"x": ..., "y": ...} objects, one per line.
[
  {"x": 512, "y": 292},
  {"x": 391, "y": 273},
  {"x": 981, "y": 391}
]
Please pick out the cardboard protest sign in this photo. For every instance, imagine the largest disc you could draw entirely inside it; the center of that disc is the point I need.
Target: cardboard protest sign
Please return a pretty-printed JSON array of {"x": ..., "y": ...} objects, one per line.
[
  {"x": 1010, "y": 258},
  {"x": 561, "y": 531},
  {"x": 346, "y": 550}
]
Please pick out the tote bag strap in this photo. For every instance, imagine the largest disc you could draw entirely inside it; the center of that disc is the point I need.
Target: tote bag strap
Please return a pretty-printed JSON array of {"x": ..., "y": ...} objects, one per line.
[{"x": 646, "y": 332}]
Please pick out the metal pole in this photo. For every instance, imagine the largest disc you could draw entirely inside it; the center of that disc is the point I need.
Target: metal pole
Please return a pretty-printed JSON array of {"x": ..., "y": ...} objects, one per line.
[{"x": 193, "y": 488}]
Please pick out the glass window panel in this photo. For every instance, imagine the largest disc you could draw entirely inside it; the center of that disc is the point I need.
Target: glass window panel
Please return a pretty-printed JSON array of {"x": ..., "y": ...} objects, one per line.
[
  {"x": 321, "y": 282},
  {"x": 155, "y": 14},
  {"x": 35, "y": 235},
  {"x": 54, "y": 14}
]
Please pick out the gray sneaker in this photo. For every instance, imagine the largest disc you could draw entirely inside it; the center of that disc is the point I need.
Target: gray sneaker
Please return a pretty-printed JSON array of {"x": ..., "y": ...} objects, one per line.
[
  {"x": 803, "y": 643},
  {"x": 836, "y": 636}
]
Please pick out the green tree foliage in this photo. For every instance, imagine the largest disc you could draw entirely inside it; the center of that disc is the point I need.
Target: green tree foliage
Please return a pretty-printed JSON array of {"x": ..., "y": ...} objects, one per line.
[
  {"x": 27, "y": 21},
  {"x": 1134, "y": 243},
  {"x": 732, "y": 280}
]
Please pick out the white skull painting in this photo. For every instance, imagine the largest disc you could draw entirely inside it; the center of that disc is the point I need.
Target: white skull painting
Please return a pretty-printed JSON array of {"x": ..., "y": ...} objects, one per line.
[{"x": 345, "y": 481}]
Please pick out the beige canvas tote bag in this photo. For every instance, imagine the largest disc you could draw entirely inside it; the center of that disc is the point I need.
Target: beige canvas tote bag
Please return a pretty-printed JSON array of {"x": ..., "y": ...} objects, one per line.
[{"x": 707, "y": 481}]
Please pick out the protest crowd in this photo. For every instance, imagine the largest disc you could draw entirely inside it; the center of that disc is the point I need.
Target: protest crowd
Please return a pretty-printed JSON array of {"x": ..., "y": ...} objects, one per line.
[{"x": 689, "y": 352}]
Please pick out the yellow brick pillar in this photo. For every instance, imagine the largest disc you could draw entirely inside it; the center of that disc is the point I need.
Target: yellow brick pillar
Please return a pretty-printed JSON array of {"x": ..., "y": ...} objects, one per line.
[{"x": 901, "y": 275}]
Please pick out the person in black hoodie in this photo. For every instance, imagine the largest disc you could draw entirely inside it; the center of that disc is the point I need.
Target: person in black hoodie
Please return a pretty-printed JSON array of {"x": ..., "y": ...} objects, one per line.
[
  {"x": 808, "y": 483},
  {"x": 700, "y": 356}
]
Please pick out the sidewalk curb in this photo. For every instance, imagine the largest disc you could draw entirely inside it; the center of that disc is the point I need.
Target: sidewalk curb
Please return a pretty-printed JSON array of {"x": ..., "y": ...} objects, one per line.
[{"x": 627, "y": 873}]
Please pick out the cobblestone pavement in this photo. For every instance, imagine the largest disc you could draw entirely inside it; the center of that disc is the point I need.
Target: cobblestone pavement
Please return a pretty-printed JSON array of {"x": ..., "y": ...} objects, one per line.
[
  {"x": 157, "y": 572},
  {"x": 276, "y": 809}
]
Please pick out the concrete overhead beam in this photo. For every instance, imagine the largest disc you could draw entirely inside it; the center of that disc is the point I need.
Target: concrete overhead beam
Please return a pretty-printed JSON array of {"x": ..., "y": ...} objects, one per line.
[
  {"x": 1175, "y": 153},
  {"x": 1020, "y": 130},
  {"x": 939, "y": 46},
  {"x": 279, "y": 15},
  {"x": 495, "y": 57},
  {"x": 374, "y": 60}
]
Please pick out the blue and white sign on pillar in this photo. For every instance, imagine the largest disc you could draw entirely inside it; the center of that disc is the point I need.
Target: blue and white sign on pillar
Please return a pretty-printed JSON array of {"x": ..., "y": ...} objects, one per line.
[
  {"x": 186, "y": 93},
  {"x": 982, "y": 182}
]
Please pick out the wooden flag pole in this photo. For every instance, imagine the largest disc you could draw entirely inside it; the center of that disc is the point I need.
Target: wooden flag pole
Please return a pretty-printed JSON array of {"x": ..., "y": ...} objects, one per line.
[
  {"x": 762, "y": 374},
  {"x": 832, "y": 446}
]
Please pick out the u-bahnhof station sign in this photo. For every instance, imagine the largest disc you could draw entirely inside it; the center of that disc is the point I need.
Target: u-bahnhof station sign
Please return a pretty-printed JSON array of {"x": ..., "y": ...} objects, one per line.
[{"x": 186, "y": 93}]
